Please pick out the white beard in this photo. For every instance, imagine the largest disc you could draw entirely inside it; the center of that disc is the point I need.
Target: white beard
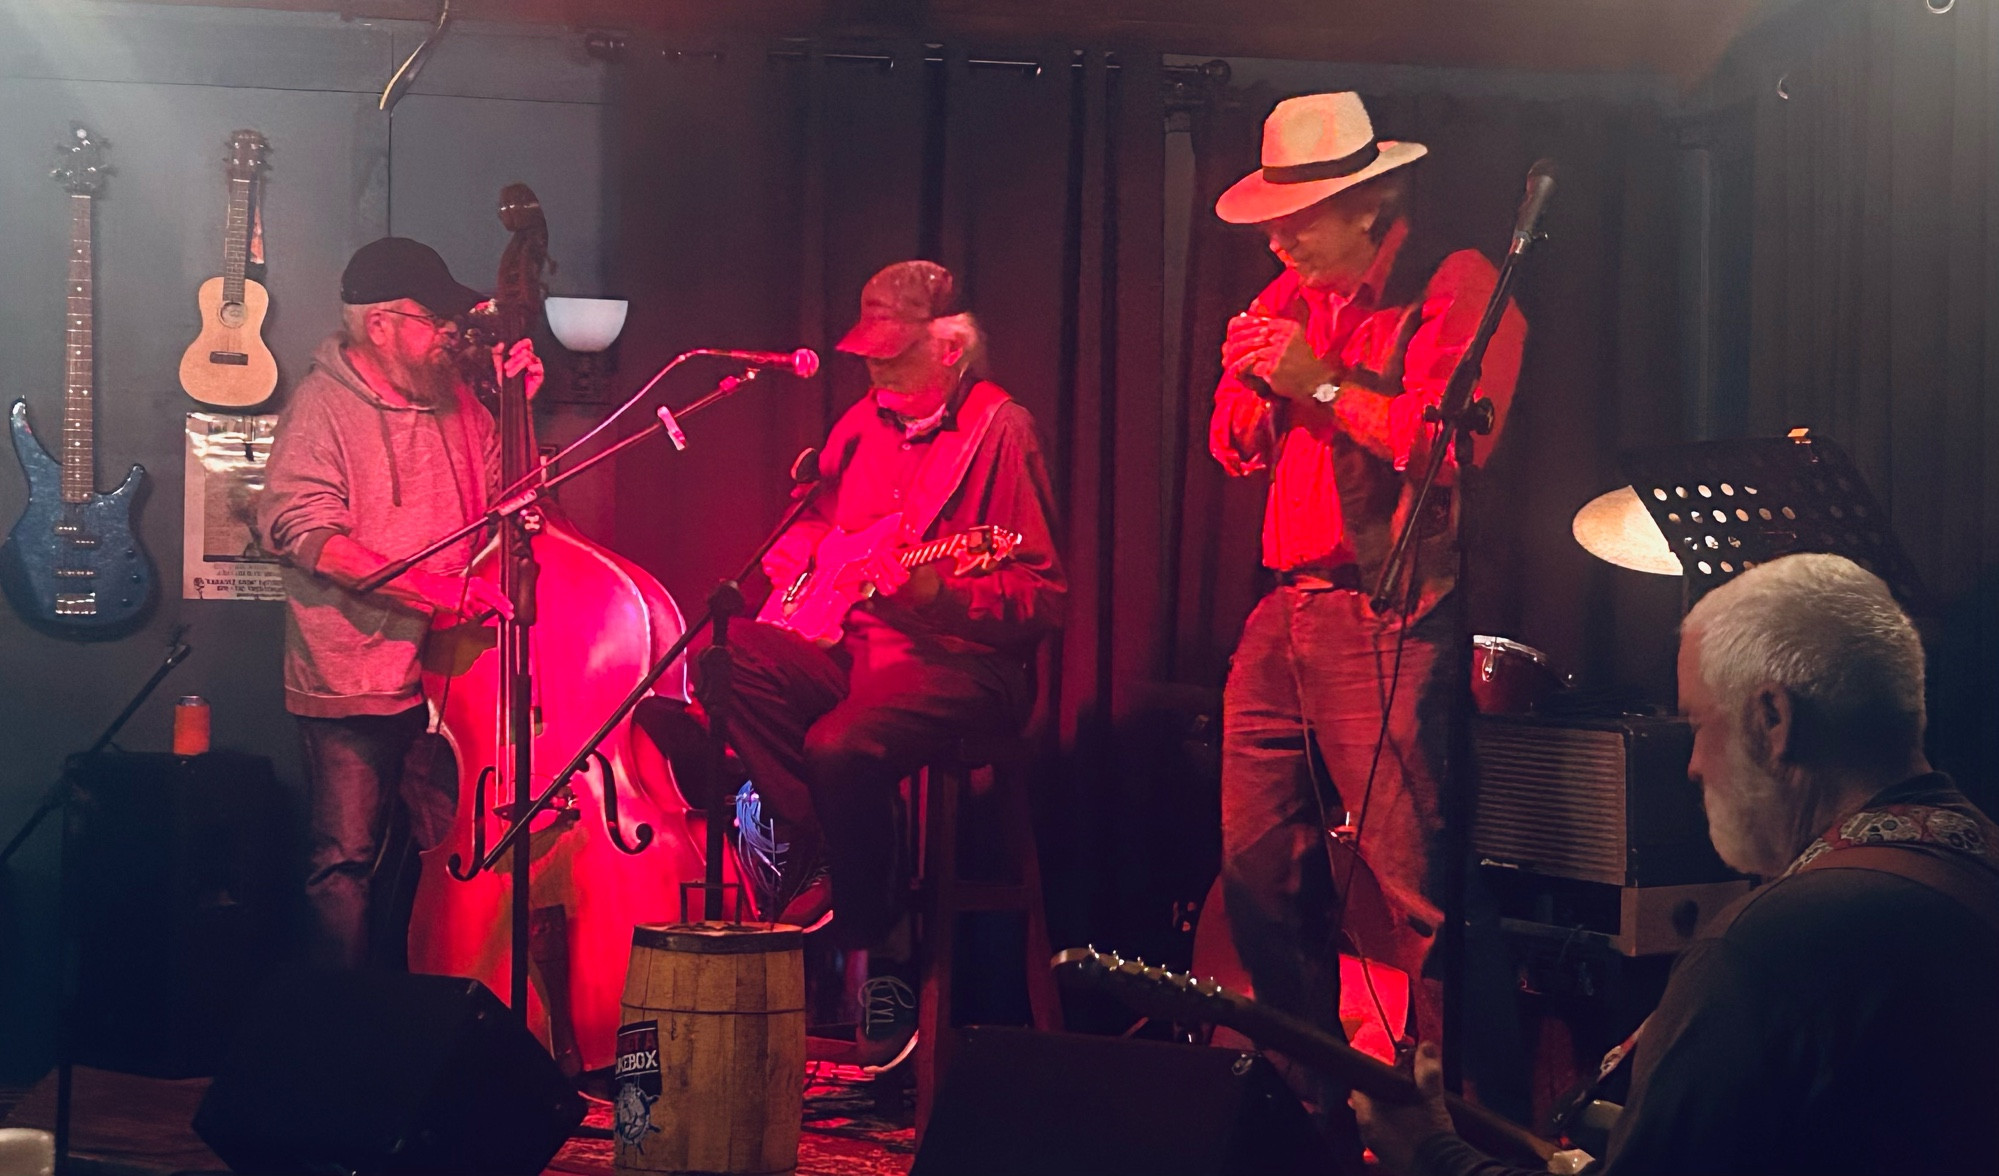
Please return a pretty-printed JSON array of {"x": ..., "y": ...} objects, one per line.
[{"x": 1750, "y": 821}]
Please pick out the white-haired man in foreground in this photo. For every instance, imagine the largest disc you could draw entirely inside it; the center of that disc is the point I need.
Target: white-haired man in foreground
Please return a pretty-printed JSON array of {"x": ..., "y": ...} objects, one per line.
[{"x": 1843, "y": 1017}]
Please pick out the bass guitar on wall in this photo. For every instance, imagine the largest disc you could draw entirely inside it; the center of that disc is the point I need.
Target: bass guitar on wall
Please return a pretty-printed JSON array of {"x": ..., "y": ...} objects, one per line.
[
  {"x": 228, "y": 363},
  {"x": 73, "y": 562}
]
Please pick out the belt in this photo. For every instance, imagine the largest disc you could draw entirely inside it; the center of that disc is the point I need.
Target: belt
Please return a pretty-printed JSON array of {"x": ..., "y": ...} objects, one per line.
[{"x": 1322, "y": 578}]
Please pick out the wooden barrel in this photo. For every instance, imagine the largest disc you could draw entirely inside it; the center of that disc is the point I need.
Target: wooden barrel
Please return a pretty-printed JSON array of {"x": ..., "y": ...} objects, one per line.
[{"x": 710, "y": 1071}]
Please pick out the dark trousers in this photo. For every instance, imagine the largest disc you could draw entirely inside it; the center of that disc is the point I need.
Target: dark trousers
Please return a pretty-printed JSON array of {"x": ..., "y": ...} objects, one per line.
[
  {"x": 1314, "y": 668},
  {"x": 827, "y": 736},
  {"x": 355, "y": 773}
]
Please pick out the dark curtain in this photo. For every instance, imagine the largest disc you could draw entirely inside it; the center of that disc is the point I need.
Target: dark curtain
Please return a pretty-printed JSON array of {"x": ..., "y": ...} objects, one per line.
[
  {"x": 1875, "y": 299},
  {"x": 758, "y": 190},
  {"x": 756, "y": 193}
]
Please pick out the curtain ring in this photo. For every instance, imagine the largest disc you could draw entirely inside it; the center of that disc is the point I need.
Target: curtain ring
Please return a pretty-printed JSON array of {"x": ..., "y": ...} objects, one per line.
[
  {"x": 1935, "y": 11},
  {"x": 1786, "y": 76}
]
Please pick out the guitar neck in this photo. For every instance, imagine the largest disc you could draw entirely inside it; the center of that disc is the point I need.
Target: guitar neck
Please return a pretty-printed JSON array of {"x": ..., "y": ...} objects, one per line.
[
  {"x": 1322, "y": 1051},
  {"x": 236, "y": 241},
  {"x": 79, "y": 467},
  {"x": 936, "y": 549}
]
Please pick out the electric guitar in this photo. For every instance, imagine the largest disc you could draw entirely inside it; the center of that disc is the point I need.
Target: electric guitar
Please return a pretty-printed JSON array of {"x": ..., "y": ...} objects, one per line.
[
  {"x": 815, "y": 604},
  {"x": 228, "y": 363},
  {"x": 1160, "y": 993},
  {"x": 73, "y": 562}
]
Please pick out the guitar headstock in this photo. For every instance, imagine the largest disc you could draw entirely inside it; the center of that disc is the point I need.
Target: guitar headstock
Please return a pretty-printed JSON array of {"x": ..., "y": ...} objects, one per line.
[
  {"x": 986, "y": 547},
  {"x": 247, "y": 149},
  {"x": 81, "y": 169},
  {"x": 1153, "y": 991}
]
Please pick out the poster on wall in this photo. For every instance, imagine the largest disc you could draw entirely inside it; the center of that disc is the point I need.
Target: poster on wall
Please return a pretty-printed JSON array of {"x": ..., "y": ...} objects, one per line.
[{"x": 222, "y": 555}]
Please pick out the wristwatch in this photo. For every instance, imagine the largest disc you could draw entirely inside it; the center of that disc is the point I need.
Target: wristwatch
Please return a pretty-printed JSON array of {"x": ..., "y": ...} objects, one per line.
[{"x": 1326, "y": 393}]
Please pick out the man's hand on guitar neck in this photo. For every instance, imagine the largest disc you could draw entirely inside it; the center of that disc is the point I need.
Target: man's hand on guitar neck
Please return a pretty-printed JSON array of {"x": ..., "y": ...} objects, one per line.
[
  {"x": 1394, "y": 1132},
  {"x": 913, "y": 588}
]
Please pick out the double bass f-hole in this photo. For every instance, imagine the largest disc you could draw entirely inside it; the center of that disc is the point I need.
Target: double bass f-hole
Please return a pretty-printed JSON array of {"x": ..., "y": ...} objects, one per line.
[
  {"x": 457, "y": 864},
  {"x": 641, "y": 835}
]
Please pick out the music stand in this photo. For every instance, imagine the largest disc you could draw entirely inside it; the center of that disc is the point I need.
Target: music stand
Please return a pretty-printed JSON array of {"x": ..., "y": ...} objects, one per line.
[{"x": 1727, "y": 506}]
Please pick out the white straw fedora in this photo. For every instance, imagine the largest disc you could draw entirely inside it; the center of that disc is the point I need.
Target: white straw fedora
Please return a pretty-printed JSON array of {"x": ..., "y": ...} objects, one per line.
[{"x": 1313, "y": 146}]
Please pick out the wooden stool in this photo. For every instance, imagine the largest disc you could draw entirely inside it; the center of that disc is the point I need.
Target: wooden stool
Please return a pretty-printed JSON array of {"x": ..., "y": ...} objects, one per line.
[{"x": 943, "y": 894}]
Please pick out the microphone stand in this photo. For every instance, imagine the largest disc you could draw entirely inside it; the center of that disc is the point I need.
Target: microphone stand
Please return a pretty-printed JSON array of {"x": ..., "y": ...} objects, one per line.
[
  {"x": 1459, "y": 416},
  {"x": 530, "y": 488},
  {"x": 59, "y": 797},
  {"x": 518, "y": 571},
  {"x": 717, "y": 666}
]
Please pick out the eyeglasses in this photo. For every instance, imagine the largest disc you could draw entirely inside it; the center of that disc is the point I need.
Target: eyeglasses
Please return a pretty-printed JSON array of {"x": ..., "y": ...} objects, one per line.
[{"x": 437, "y": 322}]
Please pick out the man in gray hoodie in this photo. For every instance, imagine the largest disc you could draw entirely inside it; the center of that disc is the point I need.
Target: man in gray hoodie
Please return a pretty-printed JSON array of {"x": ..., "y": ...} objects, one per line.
[{"x": 381, "y": 449}]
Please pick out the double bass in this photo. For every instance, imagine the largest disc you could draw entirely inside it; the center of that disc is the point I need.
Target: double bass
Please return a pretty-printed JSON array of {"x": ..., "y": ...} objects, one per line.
[{"x": 598, "y": 623}]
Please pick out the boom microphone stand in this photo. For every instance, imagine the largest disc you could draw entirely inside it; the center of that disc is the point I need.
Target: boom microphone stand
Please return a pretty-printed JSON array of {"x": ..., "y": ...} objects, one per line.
[
  {"x": 1461, "y": 415},
  {"x": 518, "y": 579},
  {"x": 58, "y": 798},
  {"x": 724, "y": 603}
]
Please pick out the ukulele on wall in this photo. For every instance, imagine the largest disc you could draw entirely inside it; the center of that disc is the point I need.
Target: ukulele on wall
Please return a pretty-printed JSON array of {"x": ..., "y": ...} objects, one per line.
[
  {"x": 228, "y": 363},
  {"x": 73, "y": 562}
]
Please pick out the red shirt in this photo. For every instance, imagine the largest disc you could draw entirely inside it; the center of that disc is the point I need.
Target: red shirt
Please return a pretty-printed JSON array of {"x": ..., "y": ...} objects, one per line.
[
  {"x": 1303, "y": 523},
  {"x": 869, "y": 466}
]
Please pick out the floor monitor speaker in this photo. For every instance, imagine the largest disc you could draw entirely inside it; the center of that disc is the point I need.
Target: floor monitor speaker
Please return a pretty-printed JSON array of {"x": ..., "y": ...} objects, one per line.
[
  {"x": 1058, "y": 1104},
  {"x": 379, "y": 1072},
  {"x": 181, "y": 885}
]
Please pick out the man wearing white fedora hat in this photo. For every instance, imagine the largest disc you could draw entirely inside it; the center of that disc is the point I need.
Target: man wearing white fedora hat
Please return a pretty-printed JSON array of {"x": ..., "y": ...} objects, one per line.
[{"x": 1325, "y": 380}]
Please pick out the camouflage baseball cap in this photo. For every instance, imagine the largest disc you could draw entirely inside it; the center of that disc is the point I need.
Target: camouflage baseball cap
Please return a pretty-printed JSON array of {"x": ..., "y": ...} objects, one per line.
[{"x": 897, "y": 305}]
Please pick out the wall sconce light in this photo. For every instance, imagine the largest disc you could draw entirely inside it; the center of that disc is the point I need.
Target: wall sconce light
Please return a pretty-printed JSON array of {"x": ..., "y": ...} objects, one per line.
[{"x": 587, "y": 327}]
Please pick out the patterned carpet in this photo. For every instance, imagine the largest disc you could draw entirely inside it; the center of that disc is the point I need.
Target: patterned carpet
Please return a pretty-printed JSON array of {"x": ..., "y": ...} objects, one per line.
[{"x": 139, "y": 1126}]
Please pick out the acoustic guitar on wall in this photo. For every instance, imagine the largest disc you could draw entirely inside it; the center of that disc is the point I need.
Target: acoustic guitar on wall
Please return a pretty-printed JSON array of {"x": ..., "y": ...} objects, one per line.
[{"x": 228, "y": 364}]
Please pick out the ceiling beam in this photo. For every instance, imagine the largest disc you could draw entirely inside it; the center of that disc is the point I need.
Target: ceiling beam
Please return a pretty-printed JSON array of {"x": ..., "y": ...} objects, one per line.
[{"x": 1681, "y": 39}]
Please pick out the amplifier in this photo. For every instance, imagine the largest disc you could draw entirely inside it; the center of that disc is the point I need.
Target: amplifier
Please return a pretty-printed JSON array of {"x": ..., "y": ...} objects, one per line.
[
  {"x": 1597, "y": 800},
  {"x": 1589, "y": 829}
]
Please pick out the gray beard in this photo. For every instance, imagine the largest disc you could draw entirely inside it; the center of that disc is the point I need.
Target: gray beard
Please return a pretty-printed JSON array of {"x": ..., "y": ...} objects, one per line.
[{"x": 429, "y": 383}]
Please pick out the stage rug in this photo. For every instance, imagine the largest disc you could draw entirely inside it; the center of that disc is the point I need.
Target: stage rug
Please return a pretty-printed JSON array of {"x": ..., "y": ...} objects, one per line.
[{"x": 124, "y": 1125}]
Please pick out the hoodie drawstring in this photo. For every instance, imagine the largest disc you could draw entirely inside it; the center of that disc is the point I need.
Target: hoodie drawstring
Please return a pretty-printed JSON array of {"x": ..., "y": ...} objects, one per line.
[{"x": 389, "y": 447}]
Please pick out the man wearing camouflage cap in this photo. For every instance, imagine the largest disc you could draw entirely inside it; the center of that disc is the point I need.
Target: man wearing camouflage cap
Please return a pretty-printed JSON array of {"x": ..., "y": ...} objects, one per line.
[{"x": 931, "y": 656}]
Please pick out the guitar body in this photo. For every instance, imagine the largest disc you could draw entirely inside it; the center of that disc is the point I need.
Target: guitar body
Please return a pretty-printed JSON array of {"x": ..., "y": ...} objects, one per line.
[
  {"x": 228, "y": 364},
  {"x": 815, "y": 607},
  {"x": 76, "y": 568}
]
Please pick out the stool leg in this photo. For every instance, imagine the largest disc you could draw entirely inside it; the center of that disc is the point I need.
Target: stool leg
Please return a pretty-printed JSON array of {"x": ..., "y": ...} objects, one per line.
[
  {"x": 1042, "y": 999},
  {"x": 943, "y": 788}
]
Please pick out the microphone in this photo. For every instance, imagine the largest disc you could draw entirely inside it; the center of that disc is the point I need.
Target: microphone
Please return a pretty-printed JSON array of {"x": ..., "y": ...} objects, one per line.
[
  {"x": 1540, "y": 185},
  {"x": 805, "y": 467},
  {"x": 804, "y": 362}
]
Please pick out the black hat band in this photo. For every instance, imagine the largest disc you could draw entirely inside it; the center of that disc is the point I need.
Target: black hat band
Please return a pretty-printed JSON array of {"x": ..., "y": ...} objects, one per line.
[{"x": 1330, "y": 169}]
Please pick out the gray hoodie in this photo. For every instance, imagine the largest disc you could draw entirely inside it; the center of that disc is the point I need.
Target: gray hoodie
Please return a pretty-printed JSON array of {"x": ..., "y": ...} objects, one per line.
[{"x": 391, "y": 478}]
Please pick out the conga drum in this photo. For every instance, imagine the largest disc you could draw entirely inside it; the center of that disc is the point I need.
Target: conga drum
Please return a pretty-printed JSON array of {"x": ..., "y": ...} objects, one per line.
[
  {"x": 710, "y": 1070},
  {"x": 1508, "y": 678}
]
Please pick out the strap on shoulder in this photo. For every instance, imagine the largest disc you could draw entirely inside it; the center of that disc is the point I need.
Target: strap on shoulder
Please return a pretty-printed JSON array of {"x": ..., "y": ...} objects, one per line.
[{"x": 1970, "y": 886}]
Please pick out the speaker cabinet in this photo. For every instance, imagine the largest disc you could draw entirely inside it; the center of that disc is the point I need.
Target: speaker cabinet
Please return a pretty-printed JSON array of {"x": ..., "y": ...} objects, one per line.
[
  {"x": 378, "y": 1072},
  {"x": 180, "y": 876},
  {"x": 1057, "y": 1104}
]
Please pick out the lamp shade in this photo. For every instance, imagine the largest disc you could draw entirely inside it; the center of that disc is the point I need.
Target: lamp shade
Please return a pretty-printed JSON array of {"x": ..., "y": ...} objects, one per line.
[
  {"x": 586, "y": 324},
  {"x": 1615, "y": 527}
]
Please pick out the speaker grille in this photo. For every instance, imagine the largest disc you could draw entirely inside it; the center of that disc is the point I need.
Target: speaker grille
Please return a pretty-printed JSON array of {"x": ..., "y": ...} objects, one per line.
[{"x": 1552, "y": 800}]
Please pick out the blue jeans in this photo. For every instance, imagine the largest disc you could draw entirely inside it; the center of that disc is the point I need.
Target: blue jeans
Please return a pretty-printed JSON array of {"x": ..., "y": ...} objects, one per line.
[
  {"x": 1313, "y": 668},
  {"x": 355, "y": 769}
]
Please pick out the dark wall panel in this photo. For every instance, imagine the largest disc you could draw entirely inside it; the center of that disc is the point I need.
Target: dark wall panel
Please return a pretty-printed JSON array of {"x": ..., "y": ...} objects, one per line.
[{"x": 165, "y": 88}]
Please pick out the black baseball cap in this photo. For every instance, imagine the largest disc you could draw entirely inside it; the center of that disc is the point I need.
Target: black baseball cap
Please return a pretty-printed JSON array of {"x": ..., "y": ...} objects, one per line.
[{"x": 394, "y": 268}]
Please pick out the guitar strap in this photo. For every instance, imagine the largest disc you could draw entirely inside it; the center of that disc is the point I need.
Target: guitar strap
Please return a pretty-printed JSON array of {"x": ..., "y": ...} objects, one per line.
[
  {"x": 1957, "y": 874},
  {"x": 950, "y": 458}
]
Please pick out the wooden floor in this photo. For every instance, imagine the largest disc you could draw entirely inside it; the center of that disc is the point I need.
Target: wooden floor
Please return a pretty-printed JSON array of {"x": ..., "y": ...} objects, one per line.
[{"x": 129, "y": 1126}]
